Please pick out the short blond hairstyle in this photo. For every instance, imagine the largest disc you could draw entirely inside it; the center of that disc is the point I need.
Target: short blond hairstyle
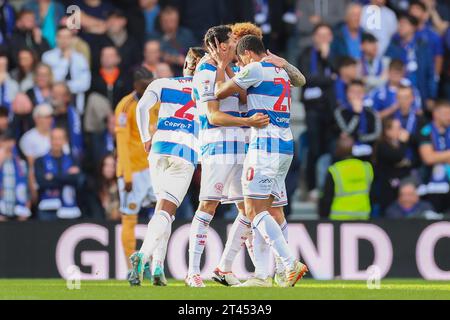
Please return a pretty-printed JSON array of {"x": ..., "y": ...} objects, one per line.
[{"x": 242, "y": 29}]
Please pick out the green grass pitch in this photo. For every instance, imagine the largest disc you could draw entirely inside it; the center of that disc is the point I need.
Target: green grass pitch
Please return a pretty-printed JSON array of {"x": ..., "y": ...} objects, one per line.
[{"x": 306, "y": 289}]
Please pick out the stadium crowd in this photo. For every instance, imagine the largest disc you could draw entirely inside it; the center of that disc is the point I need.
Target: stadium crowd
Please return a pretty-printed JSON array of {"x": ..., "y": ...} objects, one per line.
[{"x": 377, "y": 71}]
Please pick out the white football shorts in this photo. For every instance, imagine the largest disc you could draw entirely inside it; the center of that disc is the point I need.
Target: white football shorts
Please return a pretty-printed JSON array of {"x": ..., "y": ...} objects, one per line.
[
  {"x": 221, "y": 181},
  {"x": 142, "y": 194},
  {"x": 171, "y": 177},
  {"x": 264, "y": 174}
]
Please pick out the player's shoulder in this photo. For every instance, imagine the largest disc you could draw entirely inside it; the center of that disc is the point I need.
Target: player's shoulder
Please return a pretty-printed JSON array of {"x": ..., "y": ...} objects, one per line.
[
  {"x": 206, "y": 66},
  {"x": 125, "y": 103}
]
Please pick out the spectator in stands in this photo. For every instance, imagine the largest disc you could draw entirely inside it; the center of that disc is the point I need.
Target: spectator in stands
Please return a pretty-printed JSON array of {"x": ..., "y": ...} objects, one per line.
[
  {"x": 373, "y": 68},
  {"x": 150, "y": 9},
  {"x": 40, "y": 93},
  {"x": 443, "y": 28},
  {"x": 8, "y": 86},
  {"x": 125, "y": 43},
  {"x": 358, "y": 121},
  {"x": 69, "y": 66},
  {"x": 411, "y": 121},
  {"x": 392, "y": 163},
  {"x": 7, "y": 20},
  {"x": 163, "y": 70},
  {"x": 408, "y": 204},
  {"x": 24, "y": 73},
  {"x": 111, "y": 81},
  {"x": 4, "y": 119},
  {"x": 313, "y": 13},
  {"x": 417, "y": 56},
  {"x": 93, "y": 25},
  {"x": 58, "y": 178},
  {"x": 14, "y": 200},
  {"x": 381, "y": 23},
  {"x": 43, "y": 82},
  {"x": 347, "y": 39},
  {"x": 35, "y": 143},
  {"x": 384, "y": 98},
  {"x": 175, "y": 40},
  {"x": 199, "y": 15},
  {"x": 435, "y": 152},
  {"x": 48, "y": 14},
  {"x": 27, "y": 35},
  {"x": 347, "y": 72},
  {"x": 152, "y": 55},
  {"x": 419, "y": 10},
  {"x": 347, "y": 186},
  {"x": 107, "y": 189},
  {"x": 318, "y": 96},
  {"x": 67, "y": 118},
  {"x": 78, "y": 44}
]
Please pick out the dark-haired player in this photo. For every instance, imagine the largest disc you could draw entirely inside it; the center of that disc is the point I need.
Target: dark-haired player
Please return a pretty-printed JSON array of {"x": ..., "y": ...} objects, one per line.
[{"x": 270, "y": 152}]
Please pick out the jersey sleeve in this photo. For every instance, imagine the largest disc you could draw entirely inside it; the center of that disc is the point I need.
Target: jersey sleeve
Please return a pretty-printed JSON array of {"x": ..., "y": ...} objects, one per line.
[
  {"x": 425, "y": 135},
  {"x": 250, "y": 75},
  {"x": 204, "y": 85},
  {"x": 150, "y": 99}
]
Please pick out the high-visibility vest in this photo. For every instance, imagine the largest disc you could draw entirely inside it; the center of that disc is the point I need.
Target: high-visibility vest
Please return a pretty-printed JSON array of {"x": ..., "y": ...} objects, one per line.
[{"x": 352, "y": 180}]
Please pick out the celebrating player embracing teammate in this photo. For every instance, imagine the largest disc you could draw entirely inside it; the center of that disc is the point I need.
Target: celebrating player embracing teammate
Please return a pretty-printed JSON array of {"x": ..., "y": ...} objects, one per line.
[{"x": 245, "y": 154}]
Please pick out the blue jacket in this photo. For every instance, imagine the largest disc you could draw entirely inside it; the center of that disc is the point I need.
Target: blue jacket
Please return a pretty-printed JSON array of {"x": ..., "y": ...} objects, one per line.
[{"x": 424, "y": 77}]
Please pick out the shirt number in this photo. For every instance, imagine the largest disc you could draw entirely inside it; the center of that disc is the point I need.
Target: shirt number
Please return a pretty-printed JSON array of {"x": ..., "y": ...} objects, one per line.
[
  {"x": 286, "y": 92},
  {"x": 182, "y": 113}
]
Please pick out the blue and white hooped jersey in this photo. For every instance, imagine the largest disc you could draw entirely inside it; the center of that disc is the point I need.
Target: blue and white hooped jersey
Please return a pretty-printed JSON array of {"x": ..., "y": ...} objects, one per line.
[
  {"x": 177, "y": 126},
  {"x": 268, "y": 92},
  {"x": 216, "y": 140}
]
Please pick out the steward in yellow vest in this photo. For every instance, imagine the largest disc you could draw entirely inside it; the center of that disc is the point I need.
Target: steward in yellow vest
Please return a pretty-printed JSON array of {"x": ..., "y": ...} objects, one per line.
[{"x": 346, "y": 195}]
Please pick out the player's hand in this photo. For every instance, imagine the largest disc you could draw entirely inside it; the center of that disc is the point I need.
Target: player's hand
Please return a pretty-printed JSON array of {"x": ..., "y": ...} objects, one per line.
[
  {"x": 128, "y": 186},
  {"x": 147, "y": 146},
  {"x": 222, "y": 57},
  {"x": 275, "y": 60},
  {"x": 259, "y": 120},
  {"x": 73, "y": 170},
  {"x": 404, "y": 136}
]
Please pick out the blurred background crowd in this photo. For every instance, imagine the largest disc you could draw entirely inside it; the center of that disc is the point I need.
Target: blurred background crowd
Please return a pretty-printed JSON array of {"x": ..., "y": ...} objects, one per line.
[{"x": 377, "y": 71}]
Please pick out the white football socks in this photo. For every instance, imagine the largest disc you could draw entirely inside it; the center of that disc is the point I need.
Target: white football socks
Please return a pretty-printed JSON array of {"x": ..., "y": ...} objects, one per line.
[
  {"x": 160, "y": 252},
  {"x": 197, "y": 240},
  {"x": 156, "y": 230},
  {"x": 261, "y": 251},
  {"x": 271, "y": 232},
  {"x": 249, "y": 245},
  {"x": 238, "y": 234},
  {"x": 280, "y": 268}
]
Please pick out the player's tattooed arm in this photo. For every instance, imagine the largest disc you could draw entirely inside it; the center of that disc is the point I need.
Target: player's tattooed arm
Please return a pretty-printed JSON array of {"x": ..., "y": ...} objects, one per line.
[{"x": 297, "y": 78}]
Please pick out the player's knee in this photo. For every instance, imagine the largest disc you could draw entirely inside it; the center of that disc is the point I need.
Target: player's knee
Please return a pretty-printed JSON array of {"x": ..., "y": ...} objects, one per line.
[
  {"x": 167, "y": 206},
  {"x": 278, "y": 214},
  {"x": 208, "y": 206}
]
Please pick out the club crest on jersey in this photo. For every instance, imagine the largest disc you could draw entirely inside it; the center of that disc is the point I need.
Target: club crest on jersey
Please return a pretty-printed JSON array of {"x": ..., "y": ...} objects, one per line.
[
  {"x": 243, "y": 74},
  {"x": 122, "y": 119},
  {"x": 206, "y": 85},
  {"x": 218, "y": 187},
  {"x": 132, "y": 206},
  {"x": 250, "y": 174}
]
